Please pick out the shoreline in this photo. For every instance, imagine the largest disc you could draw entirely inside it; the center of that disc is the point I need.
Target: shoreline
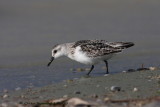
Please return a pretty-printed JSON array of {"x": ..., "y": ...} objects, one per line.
[{"x": 133, "y": 85}]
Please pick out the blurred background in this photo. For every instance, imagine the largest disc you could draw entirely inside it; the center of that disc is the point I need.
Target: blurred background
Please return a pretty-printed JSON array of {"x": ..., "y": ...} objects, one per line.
[{"x": 30, "y": 28}]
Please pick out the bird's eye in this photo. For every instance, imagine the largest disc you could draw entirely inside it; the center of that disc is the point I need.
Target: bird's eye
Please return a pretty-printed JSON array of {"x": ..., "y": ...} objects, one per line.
[{"x": 55, "y": 51}]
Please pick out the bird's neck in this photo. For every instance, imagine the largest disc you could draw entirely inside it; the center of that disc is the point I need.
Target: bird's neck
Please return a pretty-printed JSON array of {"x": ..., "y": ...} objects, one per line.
[{"x": 68, "y": 49}]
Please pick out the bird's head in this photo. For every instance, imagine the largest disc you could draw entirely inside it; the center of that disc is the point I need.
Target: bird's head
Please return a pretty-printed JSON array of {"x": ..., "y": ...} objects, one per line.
[{"x": 57, "y": 51}]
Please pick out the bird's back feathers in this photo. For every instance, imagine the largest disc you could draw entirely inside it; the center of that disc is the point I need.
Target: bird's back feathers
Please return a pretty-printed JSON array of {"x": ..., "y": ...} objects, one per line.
[{"x": 94, "y": 48}]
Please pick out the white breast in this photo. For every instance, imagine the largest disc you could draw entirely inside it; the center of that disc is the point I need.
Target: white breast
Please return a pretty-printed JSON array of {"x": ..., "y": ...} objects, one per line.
[{"x": 82, "y": 57}]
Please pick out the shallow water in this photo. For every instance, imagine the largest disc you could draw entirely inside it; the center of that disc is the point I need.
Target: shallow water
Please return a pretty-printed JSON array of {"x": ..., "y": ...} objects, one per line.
[{"x": 28, "y": 30}]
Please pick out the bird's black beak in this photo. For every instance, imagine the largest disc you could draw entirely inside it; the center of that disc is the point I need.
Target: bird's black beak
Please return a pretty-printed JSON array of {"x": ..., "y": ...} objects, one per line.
[{"x": 52, "y": 58}]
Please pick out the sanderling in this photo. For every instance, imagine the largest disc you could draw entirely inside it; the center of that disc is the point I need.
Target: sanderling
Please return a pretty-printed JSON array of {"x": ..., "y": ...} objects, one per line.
[{"x": 89, "y": 52}]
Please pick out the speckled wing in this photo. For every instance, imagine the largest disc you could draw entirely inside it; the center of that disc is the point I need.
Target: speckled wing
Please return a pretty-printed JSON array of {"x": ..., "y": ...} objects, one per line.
[
  {"x": 94, "y": 49},
  {"x": 84, "y": 42}
]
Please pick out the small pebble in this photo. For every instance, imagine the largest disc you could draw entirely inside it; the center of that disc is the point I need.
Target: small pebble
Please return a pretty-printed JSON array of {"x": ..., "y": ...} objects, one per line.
[
  {"x": 106, "y": 99},
  {"x": 115, "y": 88},
  {"x": 65, "y": 96},
  {"x": 22, "y": 96},
  {"x": 106, "y": 75},
  {"x": 94, "y": 96},
  {"x": 135, "y": 89},
  {"x": 124, "y": 71},
  {"x": 18, "y": 88},
  {"x": 5, "y": 96},
  {"x": 77, "y": 92}
]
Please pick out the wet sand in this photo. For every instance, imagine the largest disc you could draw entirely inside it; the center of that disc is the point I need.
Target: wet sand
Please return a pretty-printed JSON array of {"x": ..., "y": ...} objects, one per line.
[
  {"x": 133, "y": 85},
  {"x": 29, "y": 29}
]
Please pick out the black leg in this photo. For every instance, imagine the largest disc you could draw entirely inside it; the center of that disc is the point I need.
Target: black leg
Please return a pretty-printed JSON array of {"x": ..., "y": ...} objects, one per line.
[
  {"x": 106, "y": 62},
  {"x": 90, "y": 69}
]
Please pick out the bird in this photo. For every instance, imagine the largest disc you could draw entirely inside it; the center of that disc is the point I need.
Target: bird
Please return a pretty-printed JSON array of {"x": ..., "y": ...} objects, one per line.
[{"x": 89, "y": 52}]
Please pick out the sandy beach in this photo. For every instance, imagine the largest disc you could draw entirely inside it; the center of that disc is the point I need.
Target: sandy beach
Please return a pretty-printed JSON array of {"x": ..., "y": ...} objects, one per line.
[
  {"x": 29, "y": 30},
  {"x": 133, "y": 86}
]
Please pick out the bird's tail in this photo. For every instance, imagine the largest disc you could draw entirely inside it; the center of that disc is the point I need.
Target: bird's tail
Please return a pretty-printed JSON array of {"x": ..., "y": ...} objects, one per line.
[{"x": 122, "y": 45}]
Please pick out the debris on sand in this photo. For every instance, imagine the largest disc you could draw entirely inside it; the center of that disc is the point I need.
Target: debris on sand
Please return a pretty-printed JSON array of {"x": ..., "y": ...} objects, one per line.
[
  {"x": 115, "y": 88},
  {"x": 129, "y": 70},
  {"x": 77, "y": 102}
]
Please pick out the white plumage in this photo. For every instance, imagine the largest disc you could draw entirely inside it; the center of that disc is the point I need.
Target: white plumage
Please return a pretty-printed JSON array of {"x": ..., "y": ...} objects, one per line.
[{"x": 89, "y": 52}]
